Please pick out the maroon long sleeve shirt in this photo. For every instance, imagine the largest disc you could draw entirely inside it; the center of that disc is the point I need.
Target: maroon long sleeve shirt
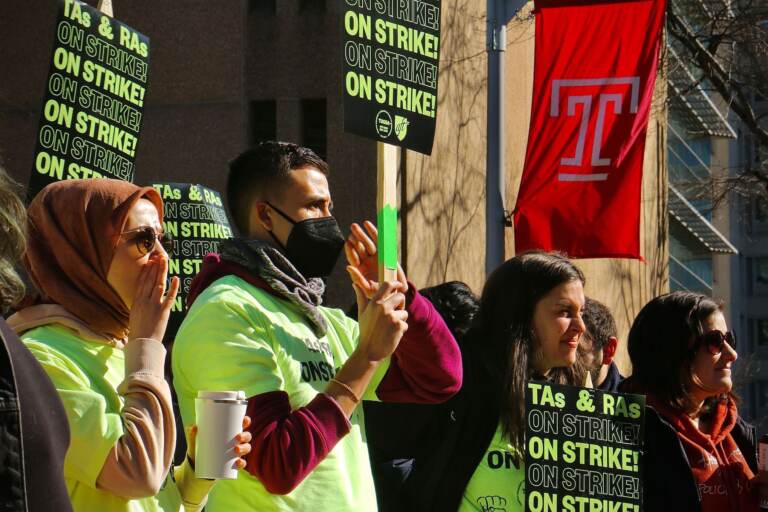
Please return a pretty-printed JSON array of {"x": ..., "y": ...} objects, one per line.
[{"x": 288, "y": 444}]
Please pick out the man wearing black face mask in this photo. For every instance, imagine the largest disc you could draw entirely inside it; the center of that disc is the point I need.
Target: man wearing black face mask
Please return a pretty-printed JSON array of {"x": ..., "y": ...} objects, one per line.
[{"x": 256, "y": 324}]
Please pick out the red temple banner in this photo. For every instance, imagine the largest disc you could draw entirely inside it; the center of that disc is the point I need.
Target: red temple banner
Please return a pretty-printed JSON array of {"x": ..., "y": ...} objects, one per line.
[{"x": 594, "y": 75}]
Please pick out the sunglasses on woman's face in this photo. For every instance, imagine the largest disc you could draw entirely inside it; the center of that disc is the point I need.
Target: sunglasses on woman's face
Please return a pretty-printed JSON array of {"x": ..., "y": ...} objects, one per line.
[
  {"x": 714, "y": 341},
  {"x": 145, "y": 238}
]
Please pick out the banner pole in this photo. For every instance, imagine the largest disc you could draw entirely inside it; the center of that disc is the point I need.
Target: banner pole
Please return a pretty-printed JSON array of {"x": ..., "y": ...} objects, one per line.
[
  {"x": 495, "y": 208},
  {"x": 386, "y": 209},
  {"x": 499, "y": 13},
  {"x": 105, "y": 6}
]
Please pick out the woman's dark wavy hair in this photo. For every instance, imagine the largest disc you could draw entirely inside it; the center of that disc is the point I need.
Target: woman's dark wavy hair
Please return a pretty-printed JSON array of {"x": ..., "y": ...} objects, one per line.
[
  {"x": 503, "y": 326},
  {"x": 13, "y": 217},
  {"x": 662, "y": 346}
]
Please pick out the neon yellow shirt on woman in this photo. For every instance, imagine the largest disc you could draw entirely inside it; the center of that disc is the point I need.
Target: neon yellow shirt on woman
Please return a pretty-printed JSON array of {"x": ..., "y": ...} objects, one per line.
[
  {"x": 239, "y": 337},
  {"x": 86, "y": 374},
  {"x": 498, "y": 484}
]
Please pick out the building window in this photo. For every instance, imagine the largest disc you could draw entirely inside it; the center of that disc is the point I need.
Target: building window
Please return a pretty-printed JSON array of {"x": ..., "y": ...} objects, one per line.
[
  {"x": 314, "y": 133},
  {"x": 690, "y": 267},
  {"x": 262, "y": 6},
  {"x": 762, "y": 394},
  {"x": 262, "y": 121},
  {"x": 761, "y": 332},
  {"x": 761, "y": 212},
  {"x": 757, "y": 216},
  {"x": 760, "y": 276},
  {"x": 687, "y": 159},
  {"x": 312, "y": 5}
]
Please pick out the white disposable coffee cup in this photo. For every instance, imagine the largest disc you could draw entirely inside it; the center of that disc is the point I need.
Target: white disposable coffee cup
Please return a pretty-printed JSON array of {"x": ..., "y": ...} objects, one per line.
[{"x": 219, "y": 420}]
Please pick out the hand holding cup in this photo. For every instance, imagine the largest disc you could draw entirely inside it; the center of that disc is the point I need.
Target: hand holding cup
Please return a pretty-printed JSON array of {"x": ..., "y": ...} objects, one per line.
[{"x": 219, "y": 441}]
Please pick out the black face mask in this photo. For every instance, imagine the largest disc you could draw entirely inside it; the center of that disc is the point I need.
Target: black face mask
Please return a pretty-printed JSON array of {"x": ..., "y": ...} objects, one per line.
[{"x": 313, "y": 246}]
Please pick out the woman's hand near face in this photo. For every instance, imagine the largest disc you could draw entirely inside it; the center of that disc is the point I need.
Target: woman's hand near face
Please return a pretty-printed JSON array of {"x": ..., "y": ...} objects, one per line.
[{"x": 151, "y": 305}]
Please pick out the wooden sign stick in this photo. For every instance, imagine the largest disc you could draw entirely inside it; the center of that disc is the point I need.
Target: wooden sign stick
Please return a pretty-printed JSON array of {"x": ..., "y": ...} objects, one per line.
[
  {"x": 386, "y": 209},
  {"x": 105, "y": 6}
]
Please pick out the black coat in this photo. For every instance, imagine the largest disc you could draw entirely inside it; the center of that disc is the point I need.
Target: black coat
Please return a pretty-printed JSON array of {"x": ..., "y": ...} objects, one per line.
[
  {"x": 668, "y": 484},
  {"x": 34, "y": 433},
  {"x": 613, "y": 380},
  {"x": 446, "y": 442}
]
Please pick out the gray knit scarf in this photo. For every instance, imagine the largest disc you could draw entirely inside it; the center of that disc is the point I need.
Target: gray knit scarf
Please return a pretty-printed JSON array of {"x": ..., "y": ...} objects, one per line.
[{"x": 267, "y": 262}]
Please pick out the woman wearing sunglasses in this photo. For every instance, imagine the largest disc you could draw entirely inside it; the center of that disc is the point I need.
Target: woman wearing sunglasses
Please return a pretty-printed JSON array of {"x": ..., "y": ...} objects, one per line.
[
  {"x": 699, "y": 454},
  {"x": 94, "y": 255}
]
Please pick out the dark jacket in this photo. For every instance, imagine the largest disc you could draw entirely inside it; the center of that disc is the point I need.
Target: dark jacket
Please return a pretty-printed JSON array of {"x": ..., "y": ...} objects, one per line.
[
  {"x": 668, "y": 484},
  {"x": 612, "y": 380},
  {"x": 34, "y": 433},
  {"x": 445, "y": 441}
]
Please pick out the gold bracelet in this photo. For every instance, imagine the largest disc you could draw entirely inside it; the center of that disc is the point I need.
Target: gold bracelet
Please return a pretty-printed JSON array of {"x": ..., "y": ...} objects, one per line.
[{"x": 355, "y": 398}]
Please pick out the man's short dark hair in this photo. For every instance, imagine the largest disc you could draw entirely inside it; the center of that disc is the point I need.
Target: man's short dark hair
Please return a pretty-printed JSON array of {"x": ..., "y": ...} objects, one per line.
[
  {"x": 600, "y": 323},
  {"x": 258, "y": 173}
]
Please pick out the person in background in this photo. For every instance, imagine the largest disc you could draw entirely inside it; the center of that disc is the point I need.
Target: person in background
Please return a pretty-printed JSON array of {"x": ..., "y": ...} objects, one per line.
[
  {"x": 456, "y": 303},
  {"x": 95, "y": 253},
  {"x": 528, "y": 327},
  {"x": 598, "y": 346},
  {"x": 257, "y": 317},
  {"x": 699, "y": 454},
  {"x": 453, "y": 300},
  {"x": 34, "y": 434}
]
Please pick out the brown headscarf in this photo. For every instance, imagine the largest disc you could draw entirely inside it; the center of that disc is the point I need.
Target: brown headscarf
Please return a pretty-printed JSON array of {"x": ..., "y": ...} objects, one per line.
[{"x": 73, "y": 232}]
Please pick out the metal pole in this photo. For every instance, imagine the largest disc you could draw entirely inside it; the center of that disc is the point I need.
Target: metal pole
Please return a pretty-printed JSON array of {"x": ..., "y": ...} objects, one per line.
[{"x": 495, "y": 210}]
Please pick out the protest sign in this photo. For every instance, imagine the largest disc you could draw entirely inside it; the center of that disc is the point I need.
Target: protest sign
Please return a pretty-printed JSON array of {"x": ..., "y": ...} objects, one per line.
[
  {"x": 583, "y": 449},
  {"x": 194, "y": 216},
  {"x": 94, "y": 99},
  {"x": 391, "y": 52}
]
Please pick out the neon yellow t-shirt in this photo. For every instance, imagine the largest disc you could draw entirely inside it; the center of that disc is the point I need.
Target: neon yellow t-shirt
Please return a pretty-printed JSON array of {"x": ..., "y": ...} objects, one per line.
[
  {"x": 86, "y": 374},
  {"x": 239, "y": 337},
  {"x": 497, "y": 485}
]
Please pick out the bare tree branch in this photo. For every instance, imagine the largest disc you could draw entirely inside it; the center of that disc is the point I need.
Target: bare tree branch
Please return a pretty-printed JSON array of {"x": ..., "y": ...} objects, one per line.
[
  {"x": 729, "y": 50},
  {"x": 708, "y": 63}
]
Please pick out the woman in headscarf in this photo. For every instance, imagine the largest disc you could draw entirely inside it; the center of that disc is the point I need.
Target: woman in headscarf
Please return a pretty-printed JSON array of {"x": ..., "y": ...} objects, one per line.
[{"x": 96, "y": 255}]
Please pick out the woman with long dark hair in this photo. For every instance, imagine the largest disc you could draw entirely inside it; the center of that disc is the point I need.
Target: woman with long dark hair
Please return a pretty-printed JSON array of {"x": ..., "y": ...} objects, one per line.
[
  {"x": 469, "y": 452},
  {"x": 699, "y": 453}
]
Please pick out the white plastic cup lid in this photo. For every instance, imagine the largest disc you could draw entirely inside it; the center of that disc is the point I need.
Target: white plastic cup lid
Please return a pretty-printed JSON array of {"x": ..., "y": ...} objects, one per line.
[{"x": 221, "y": 395}]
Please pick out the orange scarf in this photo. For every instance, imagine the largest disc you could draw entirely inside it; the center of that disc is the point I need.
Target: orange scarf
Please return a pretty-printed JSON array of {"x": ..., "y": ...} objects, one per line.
[
  {"x": 718, "y": 466},
  {"x": 74, "y": 228}
]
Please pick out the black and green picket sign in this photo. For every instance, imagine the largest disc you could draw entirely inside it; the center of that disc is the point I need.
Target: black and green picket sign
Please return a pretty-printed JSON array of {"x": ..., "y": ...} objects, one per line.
[
  {"x": 93, "y": 104},
  {"x": 195, "y": 218},
  {"x": 391, "y": 54},
  {"x": 583, "y": 449}
]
